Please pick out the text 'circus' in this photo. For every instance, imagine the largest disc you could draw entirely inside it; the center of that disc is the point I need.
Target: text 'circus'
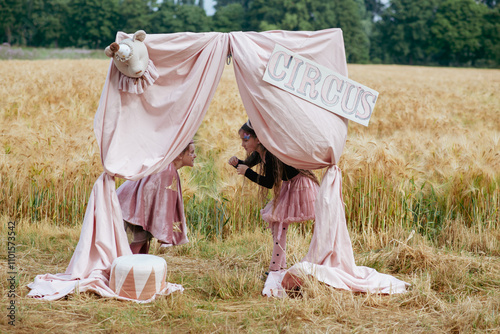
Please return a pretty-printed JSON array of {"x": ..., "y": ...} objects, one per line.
[{"x": 320, "y": 85}]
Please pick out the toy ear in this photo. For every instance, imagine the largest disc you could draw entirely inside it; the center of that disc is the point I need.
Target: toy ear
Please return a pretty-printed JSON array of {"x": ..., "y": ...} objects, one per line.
[
  {"x": 140, "y": 35},
  {"x": 111, "y": 50}
]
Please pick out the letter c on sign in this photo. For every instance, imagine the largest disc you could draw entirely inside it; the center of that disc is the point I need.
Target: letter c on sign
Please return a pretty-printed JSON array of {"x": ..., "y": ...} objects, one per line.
[
  {"x": 273, "y": 65},
  {"x": 329, "y": 83}
]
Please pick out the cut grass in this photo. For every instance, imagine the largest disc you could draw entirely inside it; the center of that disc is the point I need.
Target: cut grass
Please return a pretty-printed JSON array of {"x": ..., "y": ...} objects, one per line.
[{"x": 450, "y": 291}]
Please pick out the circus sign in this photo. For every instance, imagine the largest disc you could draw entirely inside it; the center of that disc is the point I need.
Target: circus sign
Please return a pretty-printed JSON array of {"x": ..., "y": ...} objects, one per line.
[{"x": 320, "y": 85}]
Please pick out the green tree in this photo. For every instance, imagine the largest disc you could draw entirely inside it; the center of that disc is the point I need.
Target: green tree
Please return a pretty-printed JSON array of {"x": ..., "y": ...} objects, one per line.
[
  {"x": 164, "y": 20},
  {"x": 193, "y": 18},
  {"x": 370, "y": 11},
  {"x": 172, "y": 17},
  {"x": 223, "y": 3},
  {"x": 404, "y": 31},
  {"x": 314, "y": 15},
  {"x": 134, "y": 15},
  {"x": 490, "y": 41},
  {"x": 357, "y": 44},
  {"x": 199, "y": 3},
  {"x": 229, "y": 18},
  {"x": 457, "y": 30},
  {"x": 490, "y": 3},
  {"x": 264, "y": 15},
  {"x": 49, "y": 21},
  {"x": 10, "y": 18},
  {"x": 291, "y": 15},
  {"x": 374, "y": 8},
  {"x": 25, "y": 28},
  {"x": 93, "y": 22}
]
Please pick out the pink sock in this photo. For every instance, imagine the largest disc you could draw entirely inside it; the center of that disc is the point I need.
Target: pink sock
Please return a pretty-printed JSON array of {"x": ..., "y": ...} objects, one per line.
[{"x": 278, "y": 259}]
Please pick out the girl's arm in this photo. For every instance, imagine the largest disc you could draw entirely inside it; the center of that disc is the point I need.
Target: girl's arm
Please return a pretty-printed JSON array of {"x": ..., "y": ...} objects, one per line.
[
  {"x": 266, "y": 180},
  {"x": 251, "y": 161},
  {"x": 243, "y": 168}
]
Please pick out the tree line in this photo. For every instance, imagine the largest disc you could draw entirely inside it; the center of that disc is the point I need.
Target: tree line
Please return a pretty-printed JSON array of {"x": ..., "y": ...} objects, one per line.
[{"x": 423, "y": 32}]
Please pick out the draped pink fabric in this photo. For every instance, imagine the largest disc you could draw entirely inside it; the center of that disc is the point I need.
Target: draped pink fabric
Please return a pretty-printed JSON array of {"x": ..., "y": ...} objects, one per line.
[
  {"x": 297, "y": 132},
  {"x": 140, "y": 134},
  {"x": 306, "y": 136}
]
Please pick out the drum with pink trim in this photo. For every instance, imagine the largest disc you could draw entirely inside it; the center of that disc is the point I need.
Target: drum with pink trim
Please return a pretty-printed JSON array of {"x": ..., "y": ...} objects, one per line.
[{"x": 138, "y": 276}]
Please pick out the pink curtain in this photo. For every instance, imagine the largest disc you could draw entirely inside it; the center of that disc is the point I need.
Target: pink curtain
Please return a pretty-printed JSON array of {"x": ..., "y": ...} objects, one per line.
[
  {"x": 306, "y": 136},
  {"x": 138, "y": 135}
]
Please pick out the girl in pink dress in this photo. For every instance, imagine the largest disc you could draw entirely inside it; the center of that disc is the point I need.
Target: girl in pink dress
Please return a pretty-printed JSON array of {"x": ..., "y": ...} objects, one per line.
[
  {"x": 153, "y": 206},
  {"x": 294, "y": 190}
]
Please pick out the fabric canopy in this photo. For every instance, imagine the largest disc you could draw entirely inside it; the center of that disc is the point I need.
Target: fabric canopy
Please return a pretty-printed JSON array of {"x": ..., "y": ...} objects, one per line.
[{"x": 140, "y": 134}]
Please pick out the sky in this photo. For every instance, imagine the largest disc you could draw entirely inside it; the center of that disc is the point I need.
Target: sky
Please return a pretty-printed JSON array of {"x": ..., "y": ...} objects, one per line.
[{"x": 209, "y": 7}]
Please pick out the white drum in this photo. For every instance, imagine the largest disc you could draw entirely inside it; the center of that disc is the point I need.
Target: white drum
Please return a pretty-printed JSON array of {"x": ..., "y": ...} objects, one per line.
[{"x": 138, "y": 276}]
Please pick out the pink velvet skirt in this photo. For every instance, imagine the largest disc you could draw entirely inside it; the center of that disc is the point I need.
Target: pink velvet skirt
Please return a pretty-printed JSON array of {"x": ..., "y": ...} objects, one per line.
[{"x": 295, "y": 202}]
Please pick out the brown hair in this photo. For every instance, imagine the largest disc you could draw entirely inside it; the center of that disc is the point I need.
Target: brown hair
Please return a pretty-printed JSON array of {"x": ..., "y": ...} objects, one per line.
[
  {"x": 187, "y": 147},
  {"x": 277, "y": 163}
]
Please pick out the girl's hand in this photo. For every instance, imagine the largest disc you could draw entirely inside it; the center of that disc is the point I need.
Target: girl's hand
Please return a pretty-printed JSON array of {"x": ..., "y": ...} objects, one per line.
[
  {"x": 233, "y": 161},
  {"x": 241, "y": 169}
]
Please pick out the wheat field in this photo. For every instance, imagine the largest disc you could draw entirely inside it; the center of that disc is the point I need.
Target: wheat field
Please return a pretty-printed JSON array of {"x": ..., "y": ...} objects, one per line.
[{"x": 421, "y": 186}]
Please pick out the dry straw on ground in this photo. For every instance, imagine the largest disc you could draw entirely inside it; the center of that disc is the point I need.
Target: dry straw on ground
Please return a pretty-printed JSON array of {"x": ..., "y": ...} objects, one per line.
[{"x": 421, "y": 187}]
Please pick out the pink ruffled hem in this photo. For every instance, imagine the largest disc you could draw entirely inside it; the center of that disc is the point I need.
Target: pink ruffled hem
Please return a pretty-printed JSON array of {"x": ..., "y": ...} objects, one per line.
[
  {"x": 138, "y": 85},
  {"x": 295, "y": 203}
]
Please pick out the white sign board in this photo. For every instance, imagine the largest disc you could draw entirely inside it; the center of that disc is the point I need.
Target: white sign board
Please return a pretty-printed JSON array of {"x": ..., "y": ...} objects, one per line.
[{"x": 320, "y": 85}]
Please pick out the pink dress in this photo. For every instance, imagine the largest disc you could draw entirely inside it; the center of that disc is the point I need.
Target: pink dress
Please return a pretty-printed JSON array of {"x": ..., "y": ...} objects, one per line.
[
  {"x": 295, "y": 202},
  {"x": 297, "y": 197},
  {"x": 155, "y": 203}
]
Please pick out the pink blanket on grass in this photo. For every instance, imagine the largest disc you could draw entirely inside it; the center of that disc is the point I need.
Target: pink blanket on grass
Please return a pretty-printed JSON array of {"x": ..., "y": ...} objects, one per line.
[{"x": 140, "y": 135}]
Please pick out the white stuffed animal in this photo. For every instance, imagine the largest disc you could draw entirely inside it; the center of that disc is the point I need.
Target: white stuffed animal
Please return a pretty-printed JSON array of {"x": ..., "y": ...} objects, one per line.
[{"x": 130, "y": 56}]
